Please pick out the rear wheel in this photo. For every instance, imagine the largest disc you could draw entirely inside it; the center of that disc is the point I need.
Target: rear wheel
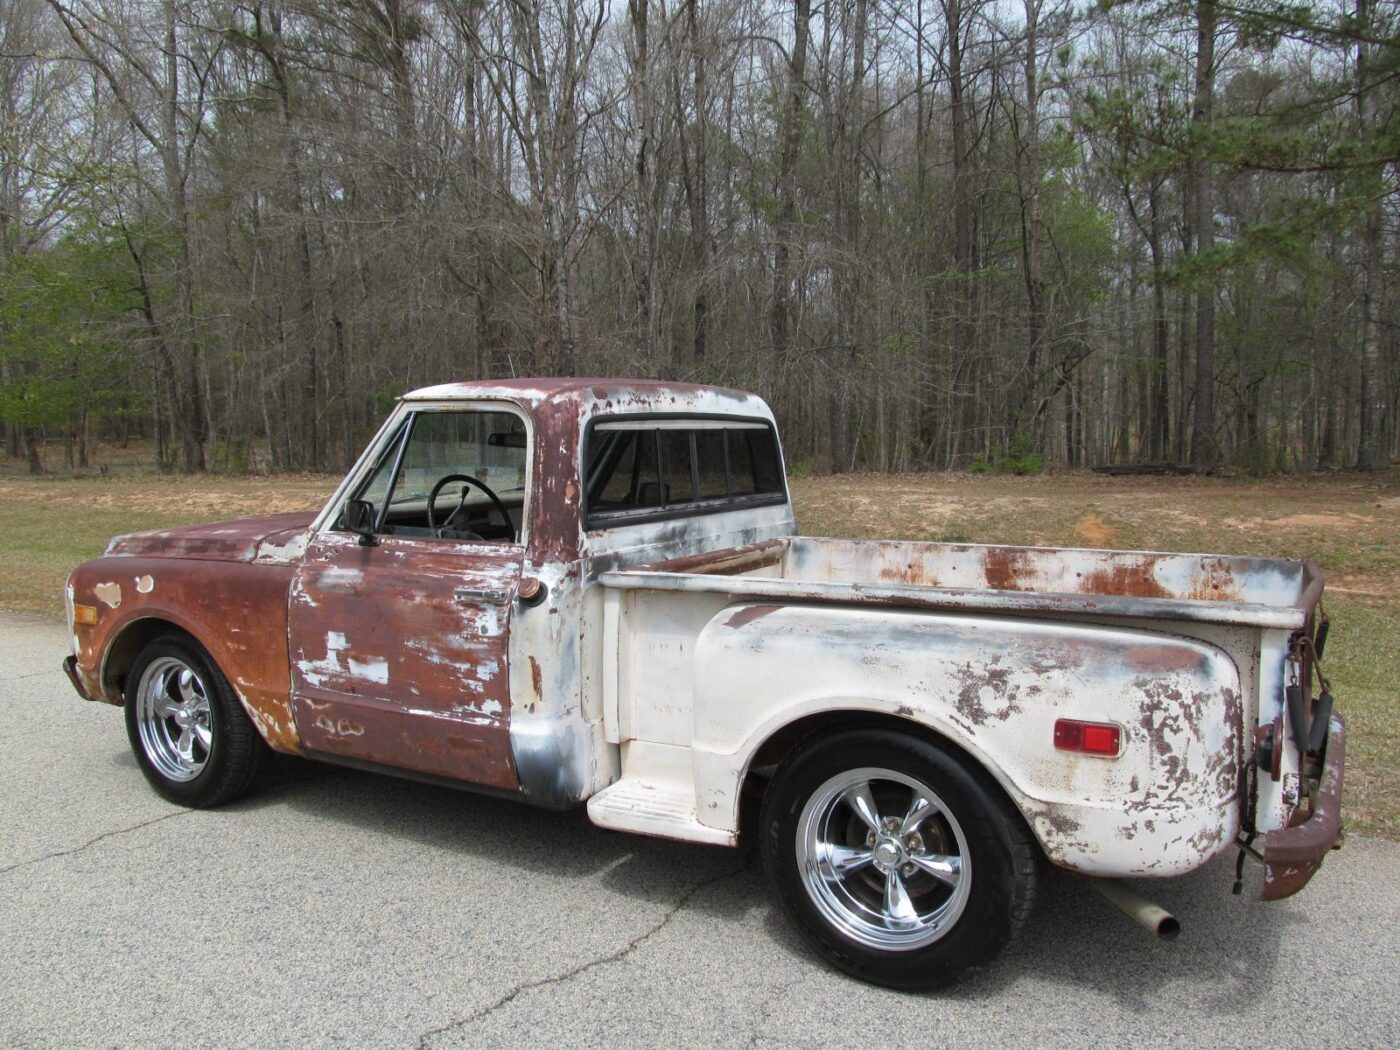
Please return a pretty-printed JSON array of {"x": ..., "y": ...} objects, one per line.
[
  {"x": 896, "y": 861},
  {"x": 190, "y": 735}
]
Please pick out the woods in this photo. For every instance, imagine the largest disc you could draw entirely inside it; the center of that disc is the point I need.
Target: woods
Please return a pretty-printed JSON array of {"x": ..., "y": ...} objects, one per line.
[{"x": 933, "y": 234}]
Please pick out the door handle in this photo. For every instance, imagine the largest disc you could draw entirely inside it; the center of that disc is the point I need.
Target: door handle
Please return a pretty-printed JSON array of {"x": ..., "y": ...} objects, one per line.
[{"x": 490, "y": 595}]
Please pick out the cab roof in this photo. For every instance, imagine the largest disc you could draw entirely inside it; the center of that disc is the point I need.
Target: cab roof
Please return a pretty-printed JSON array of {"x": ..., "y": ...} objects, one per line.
[{"x": 598, "y": 393}]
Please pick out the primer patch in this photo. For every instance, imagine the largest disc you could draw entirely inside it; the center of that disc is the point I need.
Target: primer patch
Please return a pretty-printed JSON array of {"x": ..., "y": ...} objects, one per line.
[{"x": 109, "y": 594}]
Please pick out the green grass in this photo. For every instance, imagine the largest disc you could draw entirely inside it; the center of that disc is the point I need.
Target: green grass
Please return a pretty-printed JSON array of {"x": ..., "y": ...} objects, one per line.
[{"x": 1350, "y": 524}]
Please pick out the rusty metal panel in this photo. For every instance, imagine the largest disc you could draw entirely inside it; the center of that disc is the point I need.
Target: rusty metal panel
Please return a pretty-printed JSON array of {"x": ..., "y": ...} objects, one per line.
[
  {"x": 1292, "y": 855},
  {"x": 728, "y": 561},
  {"x": 1198, "y": 588},
  {"x": 243, "y": 540},
  {"x": 237, "y": 611},
  {"x": 1129, "y": 574},
  {"x": 399, "y": 654}
]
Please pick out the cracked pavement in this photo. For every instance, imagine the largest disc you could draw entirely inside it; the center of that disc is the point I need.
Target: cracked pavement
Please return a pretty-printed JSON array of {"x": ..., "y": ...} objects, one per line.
[{"x": 337, "y": 908}]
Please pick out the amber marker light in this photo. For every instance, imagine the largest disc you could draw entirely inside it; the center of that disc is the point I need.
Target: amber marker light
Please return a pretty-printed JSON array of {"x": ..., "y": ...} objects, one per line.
[
  {"x": 85, "y": 614},
  {"x": 1088, "y": 738}
]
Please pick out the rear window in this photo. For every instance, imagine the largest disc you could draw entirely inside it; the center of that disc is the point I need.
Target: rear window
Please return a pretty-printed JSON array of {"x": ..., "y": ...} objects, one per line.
[{"x": 642, "y": 469}]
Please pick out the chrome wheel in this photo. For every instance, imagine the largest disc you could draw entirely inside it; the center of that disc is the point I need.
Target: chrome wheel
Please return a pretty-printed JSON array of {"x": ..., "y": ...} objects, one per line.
[
  {"x": 173, "y": 718},
  {"x": 883, "y": 859}
]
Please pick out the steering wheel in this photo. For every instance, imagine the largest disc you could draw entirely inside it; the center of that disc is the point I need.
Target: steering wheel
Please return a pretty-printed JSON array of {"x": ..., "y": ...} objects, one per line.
[{"x": 461, "y": 502}]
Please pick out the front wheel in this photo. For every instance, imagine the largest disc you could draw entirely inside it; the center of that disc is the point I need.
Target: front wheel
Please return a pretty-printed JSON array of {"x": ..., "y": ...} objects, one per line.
[
  {"x": 898, "y": 863},
  {"x": 189, "y": 733}
]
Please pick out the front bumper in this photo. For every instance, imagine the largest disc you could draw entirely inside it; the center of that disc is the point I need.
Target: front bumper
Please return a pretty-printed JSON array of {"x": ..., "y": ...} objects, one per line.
[
  {"x": 70, "y": 668},
  {"x": 1292, "y": 855}
]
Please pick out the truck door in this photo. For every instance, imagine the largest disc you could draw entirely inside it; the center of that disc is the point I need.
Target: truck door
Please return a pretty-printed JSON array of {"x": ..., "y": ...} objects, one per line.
[{"x": 399, "y": 648}]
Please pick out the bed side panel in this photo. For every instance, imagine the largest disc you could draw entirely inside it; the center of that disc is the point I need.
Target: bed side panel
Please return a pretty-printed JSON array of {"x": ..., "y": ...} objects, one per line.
[{"x": 995, "y": 686}]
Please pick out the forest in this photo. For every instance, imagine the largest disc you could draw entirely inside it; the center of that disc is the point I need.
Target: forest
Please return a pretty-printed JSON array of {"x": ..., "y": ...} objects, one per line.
[{"x": 990, "y": 235}]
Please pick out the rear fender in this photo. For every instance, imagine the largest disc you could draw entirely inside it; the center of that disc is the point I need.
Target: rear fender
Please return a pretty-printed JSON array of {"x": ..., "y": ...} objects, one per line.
[{"x": 994, "y": 687}]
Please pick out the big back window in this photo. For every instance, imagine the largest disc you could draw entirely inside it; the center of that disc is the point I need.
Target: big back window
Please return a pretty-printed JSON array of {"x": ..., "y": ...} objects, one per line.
[{"x": 651, "y": 468}]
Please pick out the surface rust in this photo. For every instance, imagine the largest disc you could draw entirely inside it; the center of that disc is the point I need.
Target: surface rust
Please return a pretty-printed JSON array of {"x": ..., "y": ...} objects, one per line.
[
  {"x": 384, "y": 642},
  {"x": 237, "y": 612},
  {"x": 218, "y": 541},
  {"x": 748, "y": 614},
  {"x": 555, "y": 533},
  {"x": 732, "y": 561},
  {"x": 1127, "y": 576},
  {"x": 1293, "y": 854}
]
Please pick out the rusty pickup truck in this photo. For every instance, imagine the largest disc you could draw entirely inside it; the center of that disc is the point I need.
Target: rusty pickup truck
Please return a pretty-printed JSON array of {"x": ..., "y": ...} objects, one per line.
[{"x": 592, "y": 593}]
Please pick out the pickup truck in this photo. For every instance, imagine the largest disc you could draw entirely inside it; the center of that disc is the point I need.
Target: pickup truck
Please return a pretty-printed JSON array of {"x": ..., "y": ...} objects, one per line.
[{"x": 592, "y": 593}]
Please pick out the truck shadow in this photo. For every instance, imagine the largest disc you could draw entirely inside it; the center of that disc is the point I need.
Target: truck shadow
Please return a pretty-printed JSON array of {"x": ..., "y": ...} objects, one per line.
[
  {"x": 541, "y": 843},
  {"x": 1226, "y": 954}
]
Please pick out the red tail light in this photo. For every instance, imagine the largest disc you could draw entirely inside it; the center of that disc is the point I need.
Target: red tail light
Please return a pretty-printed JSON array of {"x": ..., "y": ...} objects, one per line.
[{"x": 1089, "y": 738}]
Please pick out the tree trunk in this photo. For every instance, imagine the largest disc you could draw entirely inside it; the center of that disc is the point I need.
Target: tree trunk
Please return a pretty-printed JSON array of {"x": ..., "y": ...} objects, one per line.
[
  {"x": 694, "y": 172},
  {"x": 780, "y": 316},
  {"x": 1031, "y": 224},
  {"x": 1370, "y": 455},
  {"x": 1203, "y": 451}
]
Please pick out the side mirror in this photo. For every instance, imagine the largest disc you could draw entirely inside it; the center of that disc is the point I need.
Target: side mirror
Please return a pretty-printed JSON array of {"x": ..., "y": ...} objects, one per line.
[{"x": 358, "y": 517}]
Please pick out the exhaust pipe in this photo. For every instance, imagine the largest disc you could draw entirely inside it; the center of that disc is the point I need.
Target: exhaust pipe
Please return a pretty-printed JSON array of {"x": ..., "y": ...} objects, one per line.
[{"x": 1150, "y": 916}]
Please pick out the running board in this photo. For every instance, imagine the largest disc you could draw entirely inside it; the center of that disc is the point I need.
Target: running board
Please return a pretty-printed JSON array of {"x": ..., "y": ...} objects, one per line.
[{"x": 665, "y": 809}]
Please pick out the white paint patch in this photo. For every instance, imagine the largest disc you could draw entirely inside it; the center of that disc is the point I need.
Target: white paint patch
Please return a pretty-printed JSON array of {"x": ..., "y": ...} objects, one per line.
[
  {"x": 373, "y": 669},
  {"x": 338, "y": 665},
  {"x": 109, "y": 594},
  {"x": 283, "y": 553},
  {"x": 340, "y": 727},
  {"x": 145, "y": 585},
  {"x": 340, "y": 580}
]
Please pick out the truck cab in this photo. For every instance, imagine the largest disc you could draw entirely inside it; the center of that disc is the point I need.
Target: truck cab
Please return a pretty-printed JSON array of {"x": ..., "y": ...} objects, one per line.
[{"x": 456, "y": 635}]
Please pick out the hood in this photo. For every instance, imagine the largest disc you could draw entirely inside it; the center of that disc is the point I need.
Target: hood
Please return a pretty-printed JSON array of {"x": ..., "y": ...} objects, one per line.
[{"x": 274, "y": 538}]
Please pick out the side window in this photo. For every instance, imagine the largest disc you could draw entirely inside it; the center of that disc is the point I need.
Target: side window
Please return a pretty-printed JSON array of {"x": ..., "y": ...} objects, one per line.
[
  {"x": 639, "y": 469},
  {"x": 753, "y": 462},
  {"x": 471, "y": 463}
]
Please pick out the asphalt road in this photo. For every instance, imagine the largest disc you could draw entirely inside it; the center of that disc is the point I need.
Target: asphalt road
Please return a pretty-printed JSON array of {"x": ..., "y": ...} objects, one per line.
[{"x": 343, "y": 909}]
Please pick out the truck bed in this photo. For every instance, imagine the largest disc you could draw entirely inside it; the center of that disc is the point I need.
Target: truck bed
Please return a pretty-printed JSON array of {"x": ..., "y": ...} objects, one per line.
[{"x": 1195, "y": 646}]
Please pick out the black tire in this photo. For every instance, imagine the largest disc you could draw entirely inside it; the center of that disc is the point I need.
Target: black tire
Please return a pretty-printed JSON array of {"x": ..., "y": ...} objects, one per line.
[
  {"x": 226, "y": 754},
  {"x": 932, "y": 929}
]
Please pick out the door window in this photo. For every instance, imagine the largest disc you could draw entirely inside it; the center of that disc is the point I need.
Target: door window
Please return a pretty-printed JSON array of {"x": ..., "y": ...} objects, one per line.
[{"x": 459, "y": 460}]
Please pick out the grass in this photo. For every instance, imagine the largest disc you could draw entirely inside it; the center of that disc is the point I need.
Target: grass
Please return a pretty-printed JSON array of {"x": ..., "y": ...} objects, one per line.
[{"x": 1348, "y": 523}]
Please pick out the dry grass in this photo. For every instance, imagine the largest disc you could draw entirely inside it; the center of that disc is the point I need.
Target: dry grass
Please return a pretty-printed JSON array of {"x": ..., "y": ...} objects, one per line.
[{"x": 1348, "y": 523}]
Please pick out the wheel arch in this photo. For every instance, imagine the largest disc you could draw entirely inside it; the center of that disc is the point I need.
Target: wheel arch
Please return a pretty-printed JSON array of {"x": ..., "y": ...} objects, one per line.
[
  {"x": 786, "y": 738},
  {"x": 127, "y": 644}
]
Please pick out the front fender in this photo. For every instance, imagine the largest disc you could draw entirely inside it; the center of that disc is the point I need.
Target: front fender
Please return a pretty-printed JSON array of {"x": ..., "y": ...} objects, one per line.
[
  {"x": 995, "y": 687},
  {"x": 237, "y": 611}
]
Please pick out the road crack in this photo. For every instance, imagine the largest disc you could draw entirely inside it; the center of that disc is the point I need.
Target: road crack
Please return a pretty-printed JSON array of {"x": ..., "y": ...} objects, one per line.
[
  {"x": 582, "y": 968},
  {"x": 272, "y": 792},
  {"x": 93, "y": 841},
  {"x": 35, "y": 674}
]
